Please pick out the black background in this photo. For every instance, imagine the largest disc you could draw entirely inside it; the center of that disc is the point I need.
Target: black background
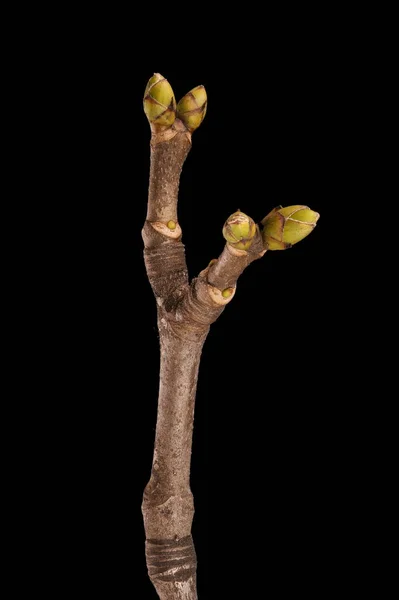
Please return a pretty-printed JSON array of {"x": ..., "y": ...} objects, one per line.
[
  {"x": 265, "y": 446},
  {"x": 285, "y": 456}
]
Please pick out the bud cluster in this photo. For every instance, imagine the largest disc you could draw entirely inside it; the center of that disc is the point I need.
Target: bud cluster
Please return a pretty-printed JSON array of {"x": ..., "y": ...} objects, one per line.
[{"x": 160, "y": 105}]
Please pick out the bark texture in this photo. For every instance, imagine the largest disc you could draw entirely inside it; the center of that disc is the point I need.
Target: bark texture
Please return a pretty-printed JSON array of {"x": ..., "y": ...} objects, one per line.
[{"x": 185, "y": 313}]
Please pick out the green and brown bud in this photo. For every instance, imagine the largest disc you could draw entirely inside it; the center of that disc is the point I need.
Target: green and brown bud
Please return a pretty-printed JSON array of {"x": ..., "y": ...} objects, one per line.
[
  {"x": 227, "y": 292},
  {"x": 192, "y": 108},
  {"x": 159, "y": 102},
  {"x": 284, "y": 227},
  {"x": 239, "y": 230}
]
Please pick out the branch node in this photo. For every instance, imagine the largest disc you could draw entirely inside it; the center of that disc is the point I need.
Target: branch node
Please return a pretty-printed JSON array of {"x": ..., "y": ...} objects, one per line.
[
  {"x": 219, "y": 297},
  {"x": 165, "y": 230},
  {"x": 158, "y": 137}
]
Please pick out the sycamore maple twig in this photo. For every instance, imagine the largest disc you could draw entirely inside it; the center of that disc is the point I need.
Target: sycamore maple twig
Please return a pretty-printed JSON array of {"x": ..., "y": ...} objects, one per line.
[{"x": 185, "y": 312}]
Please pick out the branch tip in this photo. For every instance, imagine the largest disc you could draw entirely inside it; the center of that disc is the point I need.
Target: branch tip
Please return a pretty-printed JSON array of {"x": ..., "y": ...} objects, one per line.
[
  {"x": 284, "y": 227},
  {"x": 191, "y": 109},
  {"x": 159, "y": 103},
  {"x": 239, "y": 230}
]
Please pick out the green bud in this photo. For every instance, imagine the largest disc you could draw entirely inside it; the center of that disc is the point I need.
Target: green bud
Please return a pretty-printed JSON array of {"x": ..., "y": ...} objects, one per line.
[
  {"x": 284, "y": 227},
  {"x": 239, "y": 230},
  {"x": 227, "y": 292},
  {"x": 159, "y": 101},
  {"x": 192, "y": 108}
]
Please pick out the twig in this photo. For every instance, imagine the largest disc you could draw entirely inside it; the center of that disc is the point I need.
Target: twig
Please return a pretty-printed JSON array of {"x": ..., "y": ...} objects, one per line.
[{"x": 185, "y": 313}]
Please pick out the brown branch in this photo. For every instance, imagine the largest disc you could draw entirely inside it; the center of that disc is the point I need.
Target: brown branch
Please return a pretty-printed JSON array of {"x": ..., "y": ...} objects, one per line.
[
  {"x": 168, "y": 507},
  {"x": 164, "y": 252},
  {"x": 185, "y": 313},
  {"x": 167, "y": 503},
  {"x": 231, "y": 263},
  {"x": 167, "y": 158}
]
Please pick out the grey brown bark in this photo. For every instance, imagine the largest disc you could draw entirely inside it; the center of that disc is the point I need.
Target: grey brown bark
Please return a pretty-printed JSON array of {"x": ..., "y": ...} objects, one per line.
[{"x": 185, "y": 313}]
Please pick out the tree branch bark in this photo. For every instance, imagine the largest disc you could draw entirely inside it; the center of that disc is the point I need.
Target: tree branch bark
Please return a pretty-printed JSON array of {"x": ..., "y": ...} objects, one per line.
[
  {"x": 231, "y": 263},
  {"x": 185, "y": 313},
  {"x": 168, "y": 507}
]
